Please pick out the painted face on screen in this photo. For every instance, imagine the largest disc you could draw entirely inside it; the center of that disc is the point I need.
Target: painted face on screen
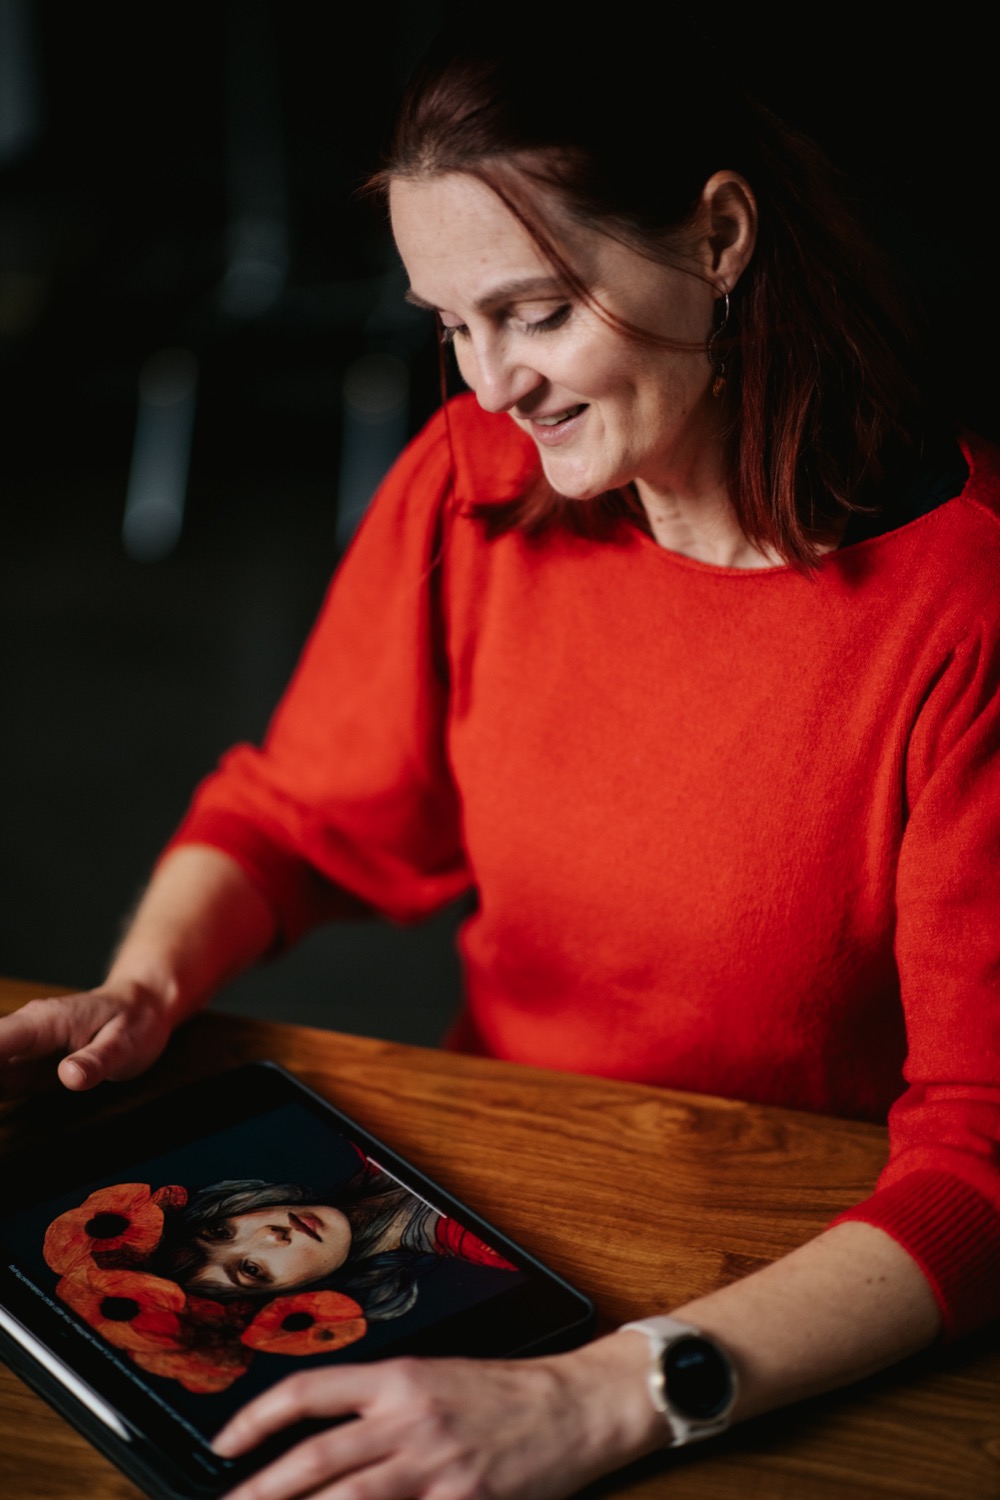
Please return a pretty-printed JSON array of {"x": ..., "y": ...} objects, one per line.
[
  {"x": 604, "y": 409},
  {"x": 273, "y": 1248}
]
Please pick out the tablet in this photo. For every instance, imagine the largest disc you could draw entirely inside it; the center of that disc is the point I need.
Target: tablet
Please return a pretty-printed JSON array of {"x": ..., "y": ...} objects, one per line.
[{"x": 160, "y": 1270}]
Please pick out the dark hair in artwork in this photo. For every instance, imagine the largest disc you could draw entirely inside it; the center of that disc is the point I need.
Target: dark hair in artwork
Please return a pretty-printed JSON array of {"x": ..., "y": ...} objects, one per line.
[
  {"x": 823, "y": 398},
  {"x": 383, "y": 1283}
]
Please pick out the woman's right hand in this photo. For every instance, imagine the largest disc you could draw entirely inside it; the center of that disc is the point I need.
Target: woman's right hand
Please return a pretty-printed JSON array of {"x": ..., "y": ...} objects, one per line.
[
  {"x": 113, "y": 1032},
  {"x": 200, "y": 923}
]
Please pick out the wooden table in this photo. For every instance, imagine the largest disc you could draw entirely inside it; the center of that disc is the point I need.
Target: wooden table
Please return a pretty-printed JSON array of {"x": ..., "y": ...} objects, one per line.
[{"x": 643, "y": 1198}]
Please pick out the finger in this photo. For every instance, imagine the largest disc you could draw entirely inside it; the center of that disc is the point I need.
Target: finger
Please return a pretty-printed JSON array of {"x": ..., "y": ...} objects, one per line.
[
  {"x": 36, "y": 1030},
  {"x": 314, "y": 1393},
  {"x": 80, "y": 1071},
  {"x": 104, "y": 1058},
  {"x": 29, "y": 1039},
  {"x": 102, "y": 1035},
  {"x": 121, "y": 1048},
  {"x": 350, "y": 1449},
  {"x": 107, "y": 1055}
]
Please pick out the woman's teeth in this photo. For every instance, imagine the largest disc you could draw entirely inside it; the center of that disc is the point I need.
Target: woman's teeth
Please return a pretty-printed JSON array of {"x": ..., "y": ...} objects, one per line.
[{"x": 562, "y": 416}]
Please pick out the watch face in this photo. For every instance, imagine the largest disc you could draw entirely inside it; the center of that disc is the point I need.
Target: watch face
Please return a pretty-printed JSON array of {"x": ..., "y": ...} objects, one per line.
[{"x": 698, "y": 1378}]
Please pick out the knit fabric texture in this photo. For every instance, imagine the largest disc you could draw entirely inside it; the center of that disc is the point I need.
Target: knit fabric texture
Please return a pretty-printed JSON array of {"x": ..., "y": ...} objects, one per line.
[{"x": 733, "y": 831}]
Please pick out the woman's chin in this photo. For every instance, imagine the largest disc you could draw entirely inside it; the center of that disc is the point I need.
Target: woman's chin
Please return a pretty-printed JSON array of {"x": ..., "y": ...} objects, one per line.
[{"x": 572, "y": 484}]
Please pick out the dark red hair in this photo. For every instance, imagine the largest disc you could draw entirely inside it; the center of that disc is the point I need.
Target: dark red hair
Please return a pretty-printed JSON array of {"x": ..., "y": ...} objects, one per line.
[{"x": 823, "y": 398}]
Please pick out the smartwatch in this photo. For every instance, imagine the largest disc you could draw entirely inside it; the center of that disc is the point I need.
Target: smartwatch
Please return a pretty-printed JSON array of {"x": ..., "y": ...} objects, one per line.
[{"x": 691, "y": 1379}]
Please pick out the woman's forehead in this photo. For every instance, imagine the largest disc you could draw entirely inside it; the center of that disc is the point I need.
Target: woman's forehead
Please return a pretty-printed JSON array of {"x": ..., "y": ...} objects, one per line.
[
  {"x": 461, "y": 242},
  {"x": 456, "y": 216}
]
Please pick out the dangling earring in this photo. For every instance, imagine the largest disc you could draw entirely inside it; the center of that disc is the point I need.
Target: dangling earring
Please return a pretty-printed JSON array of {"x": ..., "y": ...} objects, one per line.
[{"x": 718, "y": 365}]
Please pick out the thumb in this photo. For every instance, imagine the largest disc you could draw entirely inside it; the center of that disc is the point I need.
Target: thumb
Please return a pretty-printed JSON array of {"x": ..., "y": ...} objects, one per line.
[
  {"x": 81, "y": 1070},
  {"x": 122, "y": 1048}
]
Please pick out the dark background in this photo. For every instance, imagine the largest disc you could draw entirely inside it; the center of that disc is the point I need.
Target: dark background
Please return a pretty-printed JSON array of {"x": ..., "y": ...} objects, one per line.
[{"x": 184, "y": 179}]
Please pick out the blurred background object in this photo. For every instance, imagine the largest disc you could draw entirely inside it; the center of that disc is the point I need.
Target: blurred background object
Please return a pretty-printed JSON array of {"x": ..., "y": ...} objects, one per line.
[{"x": 206, "y": 365}]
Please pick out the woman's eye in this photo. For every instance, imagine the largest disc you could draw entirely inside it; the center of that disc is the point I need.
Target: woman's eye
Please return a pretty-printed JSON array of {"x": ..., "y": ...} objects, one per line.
[
  {"x": 553, "y": 320},
  {"x": 251, "y": 1270},
  {"x": 216, "y": 1232},
  {"x": 549, "y": 324}
]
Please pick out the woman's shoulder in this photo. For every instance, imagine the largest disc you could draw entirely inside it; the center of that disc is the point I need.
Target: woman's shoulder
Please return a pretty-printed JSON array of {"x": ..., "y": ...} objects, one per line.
[
  {"x": 947, "y": 561},
  {"x": 943, "y": 520}
]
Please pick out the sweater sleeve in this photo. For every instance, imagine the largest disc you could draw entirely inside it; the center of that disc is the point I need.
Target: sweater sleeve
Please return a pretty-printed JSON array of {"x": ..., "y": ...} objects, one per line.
[
  {"x": 939, "y": 1195},
  {"x": 350, "y": 803}
]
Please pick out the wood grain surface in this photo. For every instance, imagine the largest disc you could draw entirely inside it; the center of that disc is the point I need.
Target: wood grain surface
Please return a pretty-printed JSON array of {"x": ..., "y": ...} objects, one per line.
[{"x": 642, "y": 1197}]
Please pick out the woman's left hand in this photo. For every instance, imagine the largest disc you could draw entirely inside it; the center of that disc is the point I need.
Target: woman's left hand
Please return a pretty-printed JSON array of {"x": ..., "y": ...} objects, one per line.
[{"x": 450, "y": 1429}]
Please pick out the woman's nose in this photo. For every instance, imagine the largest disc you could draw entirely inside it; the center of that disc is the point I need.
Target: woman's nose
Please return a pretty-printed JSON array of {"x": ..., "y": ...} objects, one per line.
[{"x": 499, "y": 382}]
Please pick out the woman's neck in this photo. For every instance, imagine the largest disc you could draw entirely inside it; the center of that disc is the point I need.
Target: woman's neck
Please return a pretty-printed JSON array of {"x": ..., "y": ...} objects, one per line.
[
  {"x": 705, "y": 527},
  {"x": 702, "y": 526}
]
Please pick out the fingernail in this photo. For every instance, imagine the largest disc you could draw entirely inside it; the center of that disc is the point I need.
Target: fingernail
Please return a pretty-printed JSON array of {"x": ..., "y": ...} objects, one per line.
[{"x": 73, "y": 1074}]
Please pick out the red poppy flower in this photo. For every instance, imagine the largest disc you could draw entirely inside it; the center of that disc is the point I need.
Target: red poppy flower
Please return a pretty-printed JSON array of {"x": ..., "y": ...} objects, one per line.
[
  {"x": 205, "y": 1312},
  {"x": 309, "y": 1323},
  {"x": 122, "y": 1218},
  {"x": 128, "y": 1308},
  {"x": 171, "y": 1196},
  {"x": 452, "y": 1239},
  {"x": 196, "y": 1370},
  {"x": 210, "y": 1356}
]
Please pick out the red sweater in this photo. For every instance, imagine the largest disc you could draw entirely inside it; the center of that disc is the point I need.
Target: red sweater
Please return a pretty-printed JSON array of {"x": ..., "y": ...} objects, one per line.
[{"x": 734, "y": 831}]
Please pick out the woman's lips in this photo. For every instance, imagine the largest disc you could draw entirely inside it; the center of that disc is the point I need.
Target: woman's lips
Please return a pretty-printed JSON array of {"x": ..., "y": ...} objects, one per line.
[
  {"x": 308, "y": 1224},
  {"x": 556, "y": 427}
]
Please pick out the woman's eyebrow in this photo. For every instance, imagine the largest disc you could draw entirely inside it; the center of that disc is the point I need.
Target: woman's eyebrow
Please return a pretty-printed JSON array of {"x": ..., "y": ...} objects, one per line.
[{"x": 509, "y": 291}]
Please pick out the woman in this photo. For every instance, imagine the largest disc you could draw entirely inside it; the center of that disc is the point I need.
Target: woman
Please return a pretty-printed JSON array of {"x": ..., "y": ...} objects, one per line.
[
  {"x": 686, "y": 662},
  {"x": 253, "y": 1239},
  {"x": 372, "y": 1239}
]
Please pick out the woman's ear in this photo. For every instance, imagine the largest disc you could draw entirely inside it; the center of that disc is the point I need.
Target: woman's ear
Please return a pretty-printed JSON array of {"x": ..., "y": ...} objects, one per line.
[{"x": 727, "y": 219}]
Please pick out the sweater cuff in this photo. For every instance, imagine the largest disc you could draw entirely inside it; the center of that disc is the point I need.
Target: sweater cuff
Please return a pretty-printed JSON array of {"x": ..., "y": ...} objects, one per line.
[
  {"x": 953, "y": 1234},
  {"x": 297, "y": 894}
]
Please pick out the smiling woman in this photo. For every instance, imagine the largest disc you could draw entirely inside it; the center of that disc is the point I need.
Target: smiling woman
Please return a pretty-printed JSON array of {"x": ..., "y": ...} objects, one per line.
[
  {"x": 606, "y": 410},
  {"x": 675, "y": 643}
]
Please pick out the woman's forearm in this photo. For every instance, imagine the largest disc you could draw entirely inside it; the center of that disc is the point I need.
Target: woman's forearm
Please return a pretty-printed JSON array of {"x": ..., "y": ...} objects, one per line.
[
  {"x": 841, "y": 1307},
  {"x": 200, "y": 923}
]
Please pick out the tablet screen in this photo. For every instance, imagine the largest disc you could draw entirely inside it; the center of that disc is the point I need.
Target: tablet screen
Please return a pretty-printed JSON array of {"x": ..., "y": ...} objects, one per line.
[{"x": 239, "y": 1237}]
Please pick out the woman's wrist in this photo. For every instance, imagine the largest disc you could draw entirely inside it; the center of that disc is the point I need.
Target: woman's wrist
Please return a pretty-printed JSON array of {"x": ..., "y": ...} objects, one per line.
[
  {"x": 147, "y": 992},
  {"x": 609, "y": 1380}
]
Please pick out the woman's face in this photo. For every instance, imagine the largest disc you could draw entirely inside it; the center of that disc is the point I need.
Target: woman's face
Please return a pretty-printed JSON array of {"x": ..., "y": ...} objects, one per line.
[
  {"x": 604, "y": 409},
  {"x": 273, "y": 1247}
]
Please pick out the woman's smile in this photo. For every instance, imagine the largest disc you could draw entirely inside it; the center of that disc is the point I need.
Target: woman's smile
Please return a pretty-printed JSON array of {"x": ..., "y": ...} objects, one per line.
[{"x": 559, "y": 428}]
